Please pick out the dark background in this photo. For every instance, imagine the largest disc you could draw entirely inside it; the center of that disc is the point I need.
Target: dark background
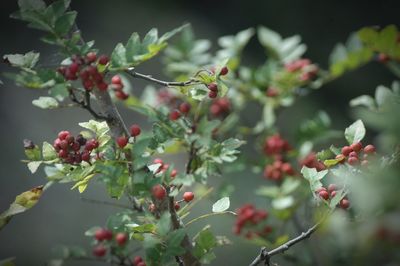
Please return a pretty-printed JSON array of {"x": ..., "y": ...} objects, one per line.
[{"x": 61, "y": 217}]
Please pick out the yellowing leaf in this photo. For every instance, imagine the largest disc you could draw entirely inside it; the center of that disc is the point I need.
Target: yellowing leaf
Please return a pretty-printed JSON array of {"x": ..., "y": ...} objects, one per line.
[
  {"x": 23, "y": 202},
  {"x": 82, "y": 185}
]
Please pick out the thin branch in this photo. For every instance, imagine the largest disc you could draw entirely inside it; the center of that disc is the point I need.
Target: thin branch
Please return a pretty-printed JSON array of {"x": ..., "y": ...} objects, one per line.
[
  {"x": 209, "y": 215},
  {"x": 94, "y": 201},
  {"x": 135, "y": 74},
  {"x": 266, "y": 255},
  {"x": 85, "y": 104}
]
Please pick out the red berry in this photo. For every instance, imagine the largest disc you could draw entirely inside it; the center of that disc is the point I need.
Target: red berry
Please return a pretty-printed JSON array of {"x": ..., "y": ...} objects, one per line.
[
  {"x": 103, "y": 60},
  {"x": 212, "y": 94},
  {"x": 174, "y": 173},
  {"x": 158, "y": 160},
  {"x": 333, "y": 194},
  {"x": 91, "y": 57},
  {"x": 224, "y": 71},
  {"x": 346, "y": 150},
  {"x": 88, "y": 84},
  {"x": 64, "y": 144},
  {"x": 287, "y": 169},
  {"x": 177, "y": 206},
  {"x": 272, "y": 92},
  {"x": 212, "y": 87},
  {"x": 122, "y": 141},
  {"x": 352, "y": 160},
  {"x": 76, "y": 146},
  {"x": 116, "y": 80},
  {"x": 344, "y": 204},
  {"x": 102, "y": 86},
  {"x": 63, "y": 154},
  {"x": 99, "y": 251},
  {"x": 121, "y": 238},
  {"x": 332, "y": 187},
  {"x": 85, "y": 156},
  {"x": 103, "y": 234},
  {"x": 174, "y": 115},
  {"x": 137, "y": 260},
  {"x": 159, "y": 192},
  {"x": 63, "y": 135},
  {"x": 188, "y": 196},
  {"x": 135, "y": 130},
  {"x": 383, "y": 58},
  {"x": 74, "y": 67},
  {"x": 91, "y": 144},
  {"x": 356, "y": 146},
  {"x": 353, "y": 154},
  {"x": 184, "y": 108},
  {"x": 324, "y": 194},
  {"x": 121, "y": 95},
  {"x": 369, "y": 149},
  {"x": 320, "y": 189}
]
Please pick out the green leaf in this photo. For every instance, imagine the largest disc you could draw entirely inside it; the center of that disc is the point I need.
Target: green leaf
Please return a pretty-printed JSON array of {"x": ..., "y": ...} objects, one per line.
[
  {"x": 383, "y": 95},
  {"x": 28, "y": 60},
  {"x": 33, "y": 166},
  {"x": 283, "y": 202},
  {"x": 144, "y": 228},
  {"x": 205, "y": 241},
  {"x": 82, "y": 184},
  {"x": 22, "y": 203},
  {"x": 48, "y": 151},
  {"x": 221, "y": 205},
  {"x": 355, "y": 132},
  {"x": 33, "y": 154},
  {"x": 100, "y": 128},
  {"x": 45, "y": 102},
  {"x": 64, "y": 23},
  {"x": 313, "y": 177},
  {"x": 31, "y": 4},
  {"x": 363, "y": 100},
  {"x": 164, "y": 224}
]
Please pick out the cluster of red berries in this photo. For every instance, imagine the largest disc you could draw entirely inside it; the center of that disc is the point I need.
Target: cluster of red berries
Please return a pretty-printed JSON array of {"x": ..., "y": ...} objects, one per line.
[
  {"x": 277, "y": 170},
  {"x": 353, "y": 154},
  {"x": 250, "y": 221},
  {"x": 329, "y": 193},
  {"x": 104, "y": 235},
  {"x": 183, "y": 108},
  {"x": 164, "y": 167},
  {"x": 117, "y": 86},
  {"x": 85, "y": 68},
  {"x": 306, "y": 69},
  {"x": 213, "y": 87},
  {"x": 275, "y": 145},
  {"x": 311, "y": 161},
  {"x": 220, "y": 107},
  {"x": 159, "y": 192},
  {"x": 69, "y": 148},
  {"x": 135, "y": 131}
]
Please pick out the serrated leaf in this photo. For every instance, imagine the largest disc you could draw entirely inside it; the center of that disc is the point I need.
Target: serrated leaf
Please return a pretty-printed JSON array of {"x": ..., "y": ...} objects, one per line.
[
  {"x": 64, "y": 23},
  {"x": 45, "y": 102},
  {"x": 28, "y": 60},
  {"x": 221, "y": 205},
  {"x": 355, "y": 132}
]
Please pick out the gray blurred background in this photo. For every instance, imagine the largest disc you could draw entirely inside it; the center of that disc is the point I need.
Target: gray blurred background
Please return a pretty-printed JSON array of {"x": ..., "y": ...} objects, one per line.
[{"x": 61, "y": 217}]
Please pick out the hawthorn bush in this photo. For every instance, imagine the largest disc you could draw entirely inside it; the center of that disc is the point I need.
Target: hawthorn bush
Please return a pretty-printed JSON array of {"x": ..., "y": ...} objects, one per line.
[{"x": 347, "y": 192}]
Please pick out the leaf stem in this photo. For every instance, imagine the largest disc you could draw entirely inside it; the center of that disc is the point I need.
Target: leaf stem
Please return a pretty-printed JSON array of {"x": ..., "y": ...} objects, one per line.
[{"x": 209, "y": 215}]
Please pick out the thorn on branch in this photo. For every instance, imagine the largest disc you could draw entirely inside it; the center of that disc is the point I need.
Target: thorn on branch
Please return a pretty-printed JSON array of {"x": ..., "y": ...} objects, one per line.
[{"x": 135, "y": 74}]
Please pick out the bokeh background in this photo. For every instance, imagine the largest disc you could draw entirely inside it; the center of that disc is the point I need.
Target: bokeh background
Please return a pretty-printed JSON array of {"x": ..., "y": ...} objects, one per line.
[{"x": 61, "y": 217}]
